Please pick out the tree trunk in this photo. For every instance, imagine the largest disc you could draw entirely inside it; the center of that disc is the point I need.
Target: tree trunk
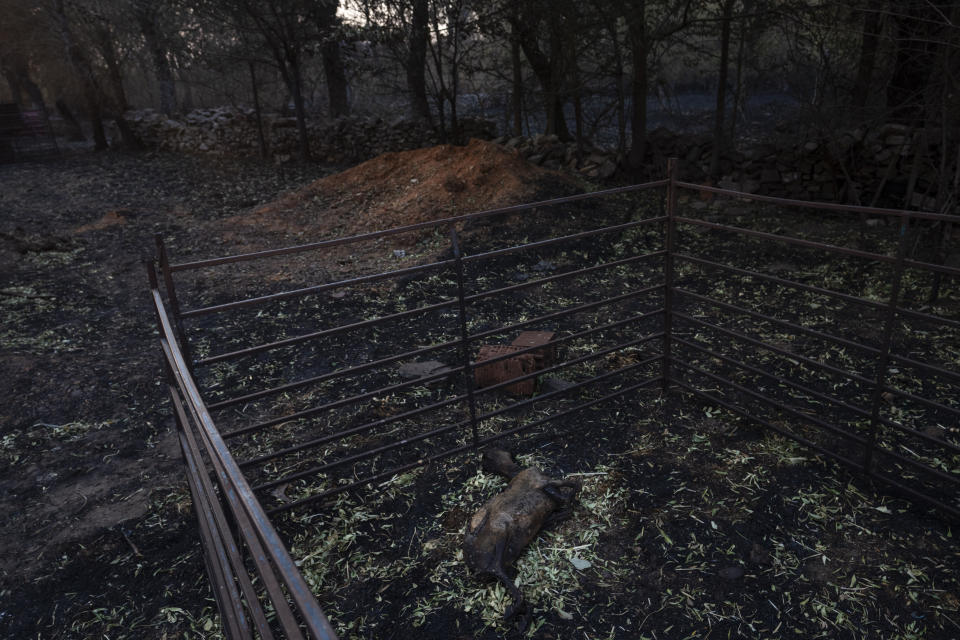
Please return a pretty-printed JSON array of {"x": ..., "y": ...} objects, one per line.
[
  {"x": 296, "y": 89},
  {"x": 36, "y": 95},
  {"x": 336, "y": 78},
  {"x": 74, "y": 130},
  {"x": 417, "y": 61},
  {"x": 872, "y": 20},
  {"x": 545, "y": 68},
  {"x": 264, "y": 151},
  {"x": 738, "y": 83},
  {"x": 556, "y": 120},
  {"x": 577, "y": 110},
  {"x": 516, "y": 95},
  {"x": 158, "y": 55},
  {"x": 91, "y": 88},
  {"x": 719, "y": 143},
  {"x": 621, "y": 96},
  {"x": 108, "y": 51},
  {"x": 455, "y": 26},
  {"x": 96, "y": 120},
  {"x": 14, "y": 83},
  {"x": 636, "y": 31},
  {"x": 912, "y": 64}
]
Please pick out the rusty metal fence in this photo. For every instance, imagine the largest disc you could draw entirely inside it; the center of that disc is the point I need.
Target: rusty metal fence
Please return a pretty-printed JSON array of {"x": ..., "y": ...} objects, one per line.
[{"x": 270, "y": 423}]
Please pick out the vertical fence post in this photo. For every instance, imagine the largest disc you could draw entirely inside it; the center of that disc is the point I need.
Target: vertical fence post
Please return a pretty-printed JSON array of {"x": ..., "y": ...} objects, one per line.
[
  {"x": 883, "y": 359},
  {"x": 174, "y": 302},
  {"x": 670, "y": 227},
  {"x": 151, "y": 266},
  {"x": 465, "y": 338}
]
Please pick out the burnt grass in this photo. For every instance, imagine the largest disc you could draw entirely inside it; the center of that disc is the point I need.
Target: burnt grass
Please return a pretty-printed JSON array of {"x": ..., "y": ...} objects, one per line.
[
  {"x": 692, "y": 522},
  {"x": 98, "y": 537}
]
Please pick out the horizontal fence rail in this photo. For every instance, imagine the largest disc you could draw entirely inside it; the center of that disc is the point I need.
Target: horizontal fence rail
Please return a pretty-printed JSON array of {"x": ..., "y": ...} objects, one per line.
[{"x": 663, "y": 308}]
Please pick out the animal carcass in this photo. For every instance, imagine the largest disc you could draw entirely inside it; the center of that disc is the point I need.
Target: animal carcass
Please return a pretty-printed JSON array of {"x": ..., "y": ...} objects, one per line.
[{"x": 499, "y": 531}]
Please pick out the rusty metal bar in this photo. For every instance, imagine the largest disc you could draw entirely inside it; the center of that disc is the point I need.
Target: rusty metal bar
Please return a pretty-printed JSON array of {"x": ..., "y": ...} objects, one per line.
[
  {"x": 215, "y": 554},
  {"x": 590, "y": 356},
  {"x": 467, "y": 367},
  {"x": 345, "y": 433},
  {"x": 320, "y": 288},
  {"x": 955, "y": 411},
  {"x": 409, "y": 354},
  {"x": 420, "y": 462},
  {"x": 889, "y": 325},
  {"x": 358, "y": 457},
  {"x": 788, "y": 240},
  {"x": 944, "y": 506},
  {"x": 786, "y": 283},
  {"x": 579, "y": 407},
  {"x": 412, "y": 227},
  {"x": 566, "y": 312},
  {"x": 374, "y": 321},
  {"x": 214, "y": 546},
  {"x": 204, "y": 493},
  {"x": 807, "y": 204},
  {"x": 670, "y": 234},
  {"x": 920, "y": 466},
  {"x": 442, "y": 430},
  {"x": 403, "y": 356},
  {"x": 919, "y": 315},
  {"x": 783, "y": 323},
  {"x": 561, "y": 276},
  {"x": 249, "y": 533},
  {"x": 574, "y": 336},
  {"x": 473, "y": 420},
  {"x": 242, "y": 500},
  {"x": 946, "y": 444},
  {"x": 784, "y": 352},
  {"x": 546, "y": 243},
  {"x": 450, "y": 452},
  {"x": 778, "y": 405},
  {"x": 818, "y": 290},
  {"x": 766, "y": 423},
  {"x": 910, "y": 362},
  {"x": 377, "y": 423},
  {"x": 325, "y": 332},
  {"x": 419, "y": 381},
  {"x": 336, "y": 404},
  {"x": 780, "y": 379},
  {"x": 167, "y": 274},
  {"x": 360, "y": 368},
  {"x": 930, "y": 266}
]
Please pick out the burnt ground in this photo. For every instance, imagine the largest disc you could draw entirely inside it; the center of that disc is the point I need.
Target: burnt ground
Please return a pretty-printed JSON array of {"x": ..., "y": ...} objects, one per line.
[
  {"x": 691, "y": 523},
  {"x": 97, "y": 535}
]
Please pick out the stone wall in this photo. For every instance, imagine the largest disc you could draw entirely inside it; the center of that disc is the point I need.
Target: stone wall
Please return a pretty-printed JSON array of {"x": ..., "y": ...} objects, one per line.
[
  {"x": 341, "y": 141},
  {"x": 850, "y": 167}
]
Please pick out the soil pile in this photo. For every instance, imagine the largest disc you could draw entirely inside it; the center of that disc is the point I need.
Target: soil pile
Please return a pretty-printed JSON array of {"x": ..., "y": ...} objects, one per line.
[{"x": 402, "y": 188}]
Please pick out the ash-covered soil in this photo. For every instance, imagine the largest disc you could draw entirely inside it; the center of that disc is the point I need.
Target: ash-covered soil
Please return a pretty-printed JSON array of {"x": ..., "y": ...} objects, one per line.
[
  {"x": 98, "y": 537},
  {"x": 98, "y": 533},
  {"x": 691, "y": 523}
]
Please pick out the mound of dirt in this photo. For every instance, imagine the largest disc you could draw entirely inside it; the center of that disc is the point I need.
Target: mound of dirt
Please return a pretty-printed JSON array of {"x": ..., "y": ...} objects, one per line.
[{"x": 402, "y": 188}]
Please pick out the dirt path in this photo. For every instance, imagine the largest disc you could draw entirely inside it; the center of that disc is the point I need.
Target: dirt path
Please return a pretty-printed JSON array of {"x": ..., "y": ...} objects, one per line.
[{"x": 97, "y": 531}]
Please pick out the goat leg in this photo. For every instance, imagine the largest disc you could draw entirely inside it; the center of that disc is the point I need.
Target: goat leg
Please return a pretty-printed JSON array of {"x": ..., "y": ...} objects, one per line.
[
  {"x": 518, "y": 602},
  {"x": 553, "y": 489}
]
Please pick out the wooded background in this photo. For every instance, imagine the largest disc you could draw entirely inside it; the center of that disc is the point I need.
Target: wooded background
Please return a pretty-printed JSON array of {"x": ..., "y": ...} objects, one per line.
[{"x": 584, "y": 70}]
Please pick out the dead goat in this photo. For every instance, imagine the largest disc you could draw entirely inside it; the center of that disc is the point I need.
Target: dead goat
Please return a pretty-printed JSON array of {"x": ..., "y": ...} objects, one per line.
[{"x": 499, "y": 531}]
